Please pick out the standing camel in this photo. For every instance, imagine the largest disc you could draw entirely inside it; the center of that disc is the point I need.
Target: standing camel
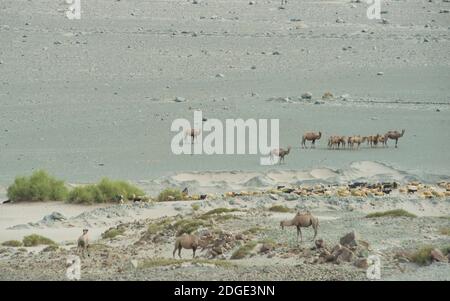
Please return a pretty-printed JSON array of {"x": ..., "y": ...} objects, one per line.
[
  {"x": 186, "y": 241},
  {"x": 281, "y": 153},
  {"x": 83, "y": 243},
  {"x": 310, "y": 136},
  {"x": 302, "y": 220},
  {"x": 394, "y": 135}
]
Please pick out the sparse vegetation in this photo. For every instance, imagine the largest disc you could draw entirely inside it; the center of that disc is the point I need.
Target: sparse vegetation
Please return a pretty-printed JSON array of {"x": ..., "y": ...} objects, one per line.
[
  {"x": 12, "y": 243},
  {"x": 154, "y": 228},
  {"x": 422, "y": 256},
  {"x": 159, "y": 262},
  {"x": 36, "y": 240},
  {"x": 219, "y": 211},
  {"x": 170, "y": 194},
  {"x": 104, "y": 192},
  {"x": 39, "y": 187},
  {"x": 445, "y": 231},
  {"x": 280, "y": 208},
  {"x": 195, "y": 207},
  {"x": 253, "y": 230},
  {"x": 112, "y": 233},
  {"x": 188, "y": 225},
  {"x": 391, "y": 213},
  {"x": 244, "y": 250},
  {"x": 50, "y": 248}
]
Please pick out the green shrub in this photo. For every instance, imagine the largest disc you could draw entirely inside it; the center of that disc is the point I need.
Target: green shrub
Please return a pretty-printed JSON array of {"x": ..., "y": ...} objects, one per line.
[
  {"x": 280, "y": 208},
  {"x": 113, "y": 232},
  {"x": 422, "y": 256},
  {"x": 39, "y": 187},
  {"x": 195, "y": 207},
  {"x": 188, "y": 225},
  {"x": 104, "y": 192},
  {"x": 36, "y": 240},
  {"x": 170, "y": 194},
  {"x": 244, "y": 250},
  {"x": 391, "y": 213},
  {"x": 12, "y": 243}
]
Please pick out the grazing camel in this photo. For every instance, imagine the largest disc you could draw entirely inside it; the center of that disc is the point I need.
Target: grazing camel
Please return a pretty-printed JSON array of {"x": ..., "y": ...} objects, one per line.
[
  {"x": 310, "y": 136},
  {"x": 193, "y": 133},
  {"x": 83, "y": 243},
  {"x": 281, "y": 153},
  {"x": 394, "y": 135},
  {"x": 186, "y": 241},
  {"x": 302, "y": 220}
]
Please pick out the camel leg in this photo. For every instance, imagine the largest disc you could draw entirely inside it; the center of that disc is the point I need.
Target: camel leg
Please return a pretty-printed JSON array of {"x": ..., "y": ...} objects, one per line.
[
  {"x": 179, "y": 251},
  {"x": 396, "y": 141},
  {"x": 313, "y": 145},
  {"x": 193, "y": 253},
  {"x": 174, "y": 250}
]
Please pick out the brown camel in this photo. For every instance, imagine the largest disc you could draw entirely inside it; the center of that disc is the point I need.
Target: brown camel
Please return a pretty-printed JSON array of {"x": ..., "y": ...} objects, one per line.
[
  {"x": 186, "y": 241},
  {"x": 83, "y": 243},
  {"x": 373, "y": 140},
  {"x": 394, "y": 135},
  {"x": 302, "y": 220},
  {"x": 336, "y": 141},
  {"x": 355, "y": 140},
  {"x": 382, "y": 140},
  {"x": 310, "y": 136},
  {"x": 281, "y": 153}
]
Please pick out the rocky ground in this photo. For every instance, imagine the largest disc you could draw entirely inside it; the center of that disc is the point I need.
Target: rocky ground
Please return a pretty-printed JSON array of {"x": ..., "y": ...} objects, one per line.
[{"x": 142, "y": 249}]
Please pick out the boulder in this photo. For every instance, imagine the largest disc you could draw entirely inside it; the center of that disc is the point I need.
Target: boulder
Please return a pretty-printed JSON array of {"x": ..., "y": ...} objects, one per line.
[
  {"x": 349, "y": 240},
  {"x": 436, "y": 255},
  {"x": 265, "y": 248},
  {"x": 55, "y": 216},
  {"x": 361, "y": 263},
  {"x": 319, "y": 243}
]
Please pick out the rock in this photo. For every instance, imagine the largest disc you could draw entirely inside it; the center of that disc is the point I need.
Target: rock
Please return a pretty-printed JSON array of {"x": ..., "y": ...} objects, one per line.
[
  {"x": 349, "y": 240},
  {"x": 361, "y": 263},
  {"x": 252, "y": 3},
  {"x": 180, "y": 99},
  {"x": 380, "y": 73},
  {"x": 273, "y": 196},
  {"x": 276, "y": 53},
  {"x": 340, "y": 20},
  {"x": 327, "y": 96},
  {"x": 266, "y": 248},
  {"x": 55, "y": 216},
  {"x": 306, "y": 95},
  {"x": 220, "y": 75},
  {"x": 319, "y": 243},
  {"x": 343, "y": 254},
  {"x": 436, "y": 255}
]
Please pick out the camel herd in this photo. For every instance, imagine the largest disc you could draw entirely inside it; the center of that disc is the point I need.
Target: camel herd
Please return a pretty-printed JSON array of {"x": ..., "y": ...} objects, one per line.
[{"x": 342, "y": 142}]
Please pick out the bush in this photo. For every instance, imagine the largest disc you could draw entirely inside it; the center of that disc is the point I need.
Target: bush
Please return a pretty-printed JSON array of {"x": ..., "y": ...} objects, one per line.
[
  {"x": 12, "y": 243},
  {"x": 113, "y": 232},
  {"x": 104, "y": 192},
  {"x": 422, "y": 256},
  {"x": 169, "y": 194},
  {"x": 391, "y": 213},
  {"x": 188, "y": 226},
  {"x": 280, "y": 208},
  {"x": 244, "y": 250},
  {"x": 39, "y": 187},
  {"x": 445, "y": 231},
  {"x": 36, "y": 240},
  {"x": 195, "y": 207}
]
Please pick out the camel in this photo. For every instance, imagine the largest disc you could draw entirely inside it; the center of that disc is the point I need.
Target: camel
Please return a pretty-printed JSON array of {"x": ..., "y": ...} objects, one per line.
[
  {"x": 394, "y": 135},
  {"x": 356, "y": 140},
  {"x": 83, "y": 243},
  {"x": 281, "y": 153},
  {"x": 310, "y": 136},
  {"x": 342, "y": 141},
  {"x": 382, "y": 140},
  {"x": 186, "y": 241},
  {"x": 302, "y": 220},
  {"x": 334, "y": 141},
  {"x": 373, "y": 140},
  {"x": 193, "y": 133}
]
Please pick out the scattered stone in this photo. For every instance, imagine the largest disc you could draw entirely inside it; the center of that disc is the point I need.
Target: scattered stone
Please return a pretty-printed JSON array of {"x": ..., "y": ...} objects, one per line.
[
  {"x": 349, "y": 240},
  {"x": 220, "y": 75},
  {"x": 180, "y": 99},
  {"x": 307, "y": 95},
  {"x": 436, "y": 255},
  {"x": 55, "y": 216},
  {"x": 380, "y": 73},
  {"x": 327, "y": 96},
  {"x": 320, "y": 244},
  {"x": 361, "y": 263}
]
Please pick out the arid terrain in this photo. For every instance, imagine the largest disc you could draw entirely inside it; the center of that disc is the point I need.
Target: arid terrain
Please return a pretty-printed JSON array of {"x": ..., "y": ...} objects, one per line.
[{"x": 96, "y": 97}]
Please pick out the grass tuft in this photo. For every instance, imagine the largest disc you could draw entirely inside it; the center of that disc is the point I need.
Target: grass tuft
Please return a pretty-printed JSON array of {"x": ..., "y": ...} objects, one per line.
[
  {"x": 113, "y": 232},
  {"x": 244, "y": 250},
  {"x": 36, "y": 240},
  {"x": 391, "y": 213},
  {"x": 170, "y": 194},
  {"x": 12, "y": 243},
  {"x": 280, "y": 208}
]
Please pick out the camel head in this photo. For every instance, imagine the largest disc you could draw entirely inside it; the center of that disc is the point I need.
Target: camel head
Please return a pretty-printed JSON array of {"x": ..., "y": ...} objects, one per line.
[
  {"x": 403, "y": 132},
  {"x": 320, "y": 135}
]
